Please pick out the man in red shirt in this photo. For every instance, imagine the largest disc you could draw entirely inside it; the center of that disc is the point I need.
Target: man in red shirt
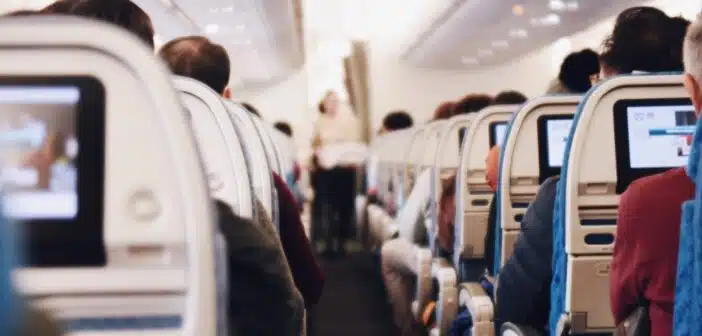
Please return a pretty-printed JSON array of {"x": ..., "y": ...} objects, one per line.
[{"x": 644, "y": 264}]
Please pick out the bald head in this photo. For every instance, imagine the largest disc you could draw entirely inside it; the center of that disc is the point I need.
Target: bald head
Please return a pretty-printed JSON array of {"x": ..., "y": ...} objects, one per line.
[{"x": 198, "y": 58}]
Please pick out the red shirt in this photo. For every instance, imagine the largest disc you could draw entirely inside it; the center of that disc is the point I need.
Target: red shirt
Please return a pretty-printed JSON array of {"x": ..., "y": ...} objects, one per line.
[
  {"x": 306, "y": 273},
  {"x": 645, "y": 258}
]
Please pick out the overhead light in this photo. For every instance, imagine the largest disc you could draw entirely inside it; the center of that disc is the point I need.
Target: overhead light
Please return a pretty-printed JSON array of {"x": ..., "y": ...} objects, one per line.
[
  {"x": 485, "y": 53},
  {"x": 214, "y": 10},
  {"x": 572, "y": 6},
  {"x": 240, "y": 27},
  {"x": 500, "y": 44},
  {"x": 469, "y": 61},
  {"x": 228, "y": 9},
  {"x": 168, "y": 3},
  {"x": 551, "y": 19},
  {"x": 518, "y": 33},
  {"x": 211, "y": 28},
  {"x": 557, "y": 5},
  {"x": 518, "y": 10}
]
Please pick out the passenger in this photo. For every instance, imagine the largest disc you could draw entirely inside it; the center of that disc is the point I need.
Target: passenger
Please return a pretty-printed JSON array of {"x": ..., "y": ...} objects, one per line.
[
  {"x": 123, "y": 13},
  {"x": 284, "y": 127},
  {"x": 399, "y": 256},
  {"x": 335, "y": 188},
  {"x": 196, "y": 57},
  {"x": 644, "y": 264},
  {"x": 510, "y": 97},
  {"x": 644, "y": 39},
  {"x": 578, "y": 71}
]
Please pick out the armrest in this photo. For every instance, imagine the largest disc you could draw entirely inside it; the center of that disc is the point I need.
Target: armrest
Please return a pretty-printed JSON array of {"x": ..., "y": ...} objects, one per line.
[
  {"x": 447, "y": 300},
  {"x": 423, "y": 291},
  {"x": 511, "y": 329},
  {"x": 472, "y": 295}
]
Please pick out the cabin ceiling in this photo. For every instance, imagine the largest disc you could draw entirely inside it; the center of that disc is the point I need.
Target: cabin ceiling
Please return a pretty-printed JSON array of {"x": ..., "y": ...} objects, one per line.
[{"x": 472, "y": 34}]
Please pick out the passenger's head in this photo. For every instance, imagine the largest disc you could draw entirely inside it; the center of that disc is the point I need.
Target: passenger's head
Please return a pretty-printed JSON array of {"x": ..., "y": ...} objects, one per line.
[
  {"x": 329, "y": 104},
  {"x": 284, "y": 127},
  {"x": 251, "y": 109},
  {"x": 492, "y": 167},
  {"x": 397, "y": 120},
  {"x": 510, "y": 98},
  {"x": 578, "y": 70},
  {"x": 644, "y": 39},
  {"x": 198, "y": 58},
  {"x": 472, "y": 103},
  {"x": 443, "y": 111},
  {"x": 123, "y": 13},
  {"x": 693, "y": 64}
]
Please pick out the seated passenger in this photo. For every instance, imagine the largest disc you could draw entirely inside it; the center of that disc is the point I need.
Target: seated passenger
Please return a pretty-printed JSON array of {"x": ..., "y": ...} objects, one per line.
[
  {"x": 644, "y": 38},
  {"x": 578, "y": 71},
  {"x": 510, "y": 97},
  {"x": 196, "y": 57},
  {"x": 644, "y": 264},
  {"x": 399, "y": 256},
  {"x": 293, "y": 179}
]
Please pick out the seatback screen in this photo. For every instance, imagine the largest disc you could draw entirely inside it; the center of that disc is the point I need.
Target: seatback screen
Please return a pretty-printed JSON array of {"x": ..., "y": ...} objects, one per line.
[
  {"x": 552, "y": 135},
  {"x": 52, "y": 168},
  {"x": 498, "y": 131},
  {"x": 651, "y": 135},
  {"x": 557, "y": 131}
]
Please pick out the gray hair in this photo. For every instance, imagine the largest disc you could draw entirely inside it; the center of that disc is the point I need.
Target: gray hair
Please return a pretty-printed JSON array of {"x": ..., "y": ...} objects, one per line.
[{"x": 692, "y": 50}]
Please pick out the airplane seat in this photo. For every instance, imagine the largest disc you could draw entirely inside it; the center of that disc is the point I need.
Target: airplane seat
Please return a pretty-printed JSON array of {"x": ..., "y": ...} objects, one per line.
[
  {"x": 424, "y": 284},
  {"x": 445, "y": 158},
  {"x": 616, "y": 126},
  {"x": 414, "y": 147},
  {"x": 472, "y": 208},
  {"x": 542, "y": 123},
  {"x": 141, "y": 197},
  {"x": 511, "y": 329}
]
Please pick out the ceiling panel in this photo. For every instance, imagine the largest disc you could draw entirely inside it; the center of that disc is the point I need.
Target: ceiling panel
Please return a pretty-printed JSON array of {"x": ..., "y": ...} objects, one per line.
[{"x": 474, "y": 34}]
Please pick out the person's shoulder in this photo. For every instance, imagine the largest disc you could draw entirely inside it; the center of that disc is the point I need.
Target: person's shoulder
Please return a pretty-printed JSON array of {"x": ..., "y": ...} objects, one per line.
[{"x": 652, "y": 191}]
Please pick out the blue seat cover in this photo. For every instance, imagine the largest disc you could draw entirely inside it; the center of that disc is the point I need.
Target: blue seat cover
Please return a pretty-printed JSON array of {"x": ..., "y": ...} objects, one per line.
[
  {"x": 688, "y": 308},
  {"x": 10, "y": 255}
]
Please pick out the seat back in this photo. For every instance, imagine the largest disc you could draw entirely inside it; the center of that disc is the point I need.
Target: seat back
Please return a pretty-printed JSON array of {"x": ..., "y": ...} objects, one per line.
[
  {"x": 285, "y": 149},
  {"x": 542, "y": 123},
  {"x": 446, "y": 157},
  {"x": 473, "y": 195},
  {"x": 144, "y": 224},
  {"x": 258, "y": 166},
  {"x": 397, "y": 164},
  {"x": 599, "y": 163},
  {"x": 220, "y": 146},
  {"x": 414, "y": 147},
  {"x": 264, "y": 132}
]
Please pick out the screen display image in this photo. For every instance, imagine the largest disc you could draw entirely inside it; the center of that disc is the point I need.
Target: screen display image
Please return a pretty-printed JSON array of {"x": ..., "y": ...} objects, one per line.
[
  {"x": 38, "y": 175},
  {"x": 557, "y": 131},
  {"x": 660, "y": 136},
  {"x": 498, "y": 131}
]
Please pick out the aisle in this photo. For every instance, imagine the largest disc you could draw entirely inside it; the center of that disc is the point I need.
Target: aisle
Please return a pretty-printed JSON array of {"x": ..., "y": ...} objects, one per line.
[{"x": 353, "y": 302}]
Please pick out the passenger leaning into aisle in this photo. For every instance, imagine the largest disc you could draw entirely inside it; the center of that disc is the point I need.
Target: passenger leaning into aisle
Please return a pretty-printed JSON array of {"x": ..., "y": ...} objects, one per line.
[{"x": 198, "y": 58}]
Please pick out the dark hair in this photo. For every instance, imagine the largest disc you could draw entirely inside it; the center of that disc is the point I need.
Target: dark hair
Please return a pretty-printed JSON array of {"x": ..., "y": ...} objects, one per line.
[
  {"x": 645, "y": 39},
  {"x": 23, "y": 12},
  {"x": 443, "y": 111},
  {"x": 250, "y": 108},
  {"x": 397, "y": 120},
  {"x": 284, "y": 127},
  {"x": 510, "y": 97},
  {"x": 198, "y": 58},
  {"x": 577, "y": 68},
  {"x": 472, "y": 103},
  {"x": 123, "y": 13}
]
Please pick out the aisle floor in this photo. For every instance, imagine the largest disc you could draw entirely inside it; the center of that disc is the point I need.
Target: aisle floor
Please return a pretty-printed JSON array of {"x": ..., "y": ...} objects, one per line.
[{"x": 353, "y": 302}]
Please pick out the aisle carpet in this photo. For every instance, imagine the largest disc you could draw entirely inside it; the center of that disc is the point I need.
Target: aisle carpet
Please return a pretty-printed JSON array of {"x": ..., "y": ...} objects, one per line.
[{"x": 354, "y": 300}]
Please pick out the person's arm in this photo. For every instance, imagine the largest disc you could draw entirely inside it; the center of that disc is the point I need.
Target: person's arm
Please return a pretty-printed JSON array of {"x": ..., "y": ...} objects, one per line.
[
  {"x": 525, "y": 279},
  {"x": 626, "y": 277},
  {"x": 263, "y": 299},
  {"x": 298, "y": 249},
  {"x": 409, "y": 216}
]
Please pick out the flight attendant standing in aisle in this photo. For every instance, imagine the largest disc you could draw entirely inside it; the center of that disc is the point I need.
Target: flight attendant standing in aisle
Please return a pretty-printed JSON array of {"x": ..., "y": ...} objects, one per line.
[{"x": 334, "y": 187}]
